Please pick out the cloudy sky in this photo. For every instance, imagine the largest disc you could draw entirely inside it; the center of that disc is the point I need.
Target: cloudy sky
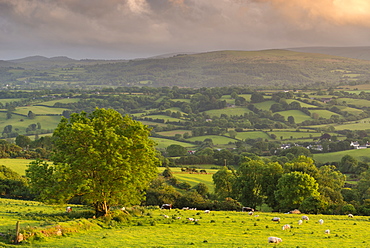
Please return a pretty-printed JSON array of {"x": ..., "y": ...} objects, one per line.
[{"x": 125, "y": 29}]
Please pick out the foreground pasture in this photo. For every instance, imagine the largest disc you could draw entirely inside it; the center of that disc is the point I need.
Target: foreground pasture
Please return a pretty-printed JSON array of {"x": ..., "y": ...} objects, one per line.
[{"x": 151, "y": 228}]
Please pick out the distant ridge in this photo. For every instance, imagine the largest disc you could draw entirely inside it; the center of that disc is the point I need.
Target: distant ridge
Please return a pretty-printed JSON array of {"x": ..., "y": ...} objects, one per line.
[
  {"x": 42, "y": 59},
  {"x": 347, "y": 52}
]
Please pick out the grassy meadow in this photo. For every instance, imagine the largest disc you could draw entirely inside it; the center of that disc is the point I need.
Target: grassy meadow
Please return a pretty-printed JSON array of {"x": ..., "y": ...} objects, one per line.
[
  {"x": 359, "y": 154},
  {"x": 152, "y": 228}
]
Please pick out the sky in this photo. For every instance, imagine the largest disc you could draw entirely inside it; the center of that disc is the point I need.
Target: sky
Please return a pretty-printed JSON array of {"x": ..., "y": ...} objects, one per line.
[{"x": 127, "y": 29}]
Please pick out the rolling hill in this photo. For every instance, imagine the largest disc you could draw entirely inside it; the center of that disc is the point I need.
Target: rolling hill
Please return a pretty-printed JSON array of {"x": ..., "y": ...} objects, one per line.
[{"x": 282, "y": 68}]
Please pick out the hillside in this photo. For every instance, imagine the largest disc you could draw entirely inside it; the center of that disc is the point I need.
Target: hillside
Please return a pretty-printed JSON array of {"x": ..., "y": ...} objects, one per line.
[
  {"x": 265, "y": 68},
  {"x": 348, "y": 52}
]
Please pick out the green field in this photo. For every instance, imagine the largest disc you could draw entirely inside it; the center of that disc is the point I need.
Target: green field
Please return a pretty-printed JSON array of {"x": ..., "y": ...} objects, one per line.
[
  {"x": 228, "y": 111},
  {"x": 217, "y": 140},
  {"x": 252, "y": 135},
  {"x": 164, "y": 117},
  {"x": 39, "y": 110},
  {"x": 355, "y": 125},
  {"x": 174, "y": 132},
  {"x": 164, "y": 143},
  {"x": 298, "y": 115},
  {"x": 8, "y": 100},
  {"x": 266, "y": 105},
  {"x": 194, "y": 179},
  {"x": 215, "y": 229},
  {"x": 337, "y": 156},
  {"x": 323, "y": 113},
  {"x": 356, "y": 102},
  {"x": 303, "y": 104},
  {"x": 294, "y": 135},
  {"x": 64, "y": 100},
  {"x": 21, "y": 123},
  {"x": 17, "y": 165}
]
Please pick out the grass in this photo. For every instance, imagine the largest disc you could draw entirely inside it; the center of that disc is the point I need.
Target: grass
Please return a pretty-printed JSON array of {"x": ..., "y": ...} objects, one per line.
[
  {"x": 337, "y": 156},
  {"x": 323, "y": 113},
  {"x": 303, "y": 104},
  {"x": 298, "y": 115},
  {"x": 164, "y": 143},
  {"x": 217, "y": 140},
  {"x": 17, "y": 165},
  {"x": 164, "y": 117},
  {"x": 215, "y": 229},
  {"x": 64, "y": 100},
  {"x": 39, "y": 110},
  {"x": 266, "y": 105},
  {"x": 21, "y": 123},
  {"x": 252, "y": 135},
  {"x": 228, "y": 111},
  {"x": 173, "y": 132}
]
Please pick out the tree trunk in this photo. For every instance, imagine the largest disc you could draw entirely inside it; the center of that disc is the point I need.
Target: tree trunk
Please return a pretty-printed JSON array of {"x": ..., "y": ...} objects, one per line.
[{"x": 101, "y": 209}]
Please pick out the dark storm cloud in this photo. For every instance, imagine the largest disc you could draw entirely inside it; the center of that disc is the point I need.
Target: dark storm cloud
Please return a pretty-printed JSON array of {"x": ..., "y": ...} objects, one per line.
[{"x": 134, "y": 28}]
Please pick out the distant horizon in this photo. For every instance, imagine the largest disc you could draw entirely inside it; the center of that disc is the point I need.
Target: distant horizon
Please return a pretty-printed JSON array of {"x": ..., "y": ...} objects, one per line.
[{"x": 164, "y": 55}]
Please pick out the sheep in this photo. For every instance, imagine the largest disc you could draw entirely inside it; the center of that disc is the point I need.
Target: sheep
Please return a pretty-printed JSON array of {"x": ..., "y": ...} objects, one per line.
[
  {"x": 300, "y": 222},
  {"x": 166, "y": 216},
  {"x": 321, "y": 221},
  {"x": 250, "y": 213},
  {"x": 304, "y": 217},
  {"x": 68, "y": 209},
  {"x": 256, "y": 215},
  {"x": 276, "y": 219},
  {"x": 286, "y": 227},
  {"x": 190, "y": 219},
  {"x": 274, "y": 240},
  {"x": 350, "y": 215},
  {"x": 327, "y": 231},
  {"x": 207, "y": 211}
]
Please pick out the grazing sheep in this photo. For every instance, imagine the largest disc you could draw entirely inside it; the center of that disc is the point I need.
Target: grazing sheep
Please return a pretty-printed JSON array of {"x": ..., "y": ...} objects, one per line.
[
  {"x": 276, "y": 219},
  {"x": 327, "y": 231},
  {"x": 350, "y": 215},
  {"x": 247, "y": 209},
  {"x": 250, "y": 213},
  {"x": 274, "y": 240},
  {"x": 166, "y": 216},
  {"x": 304, "y": 217},
  {"x": 185, "y": 208},
  {"x": 321, "y": 221},
  {"x": 300, "y": 222},
  {"x": 68, "y": 209},
  {"x": 207, "y": 211},
  {"x": 286, "y": 227},
  {"x": 191, "y": 219},
  {"x": 166, "y": 206}
]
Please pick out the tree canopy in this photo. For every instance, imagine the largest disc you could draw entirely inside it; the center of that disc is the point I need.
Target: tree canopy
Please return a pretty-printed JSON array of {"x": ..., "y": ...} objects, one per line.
[{"x": 103, "y": 157}]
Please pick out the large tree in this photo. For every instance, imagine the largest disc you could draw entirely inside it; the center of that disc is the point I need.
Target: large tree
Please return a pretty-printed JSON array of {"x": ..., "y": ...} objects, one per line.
[
  {"x": 293, "y": 188},
  {"x": 103, "y": 157}
]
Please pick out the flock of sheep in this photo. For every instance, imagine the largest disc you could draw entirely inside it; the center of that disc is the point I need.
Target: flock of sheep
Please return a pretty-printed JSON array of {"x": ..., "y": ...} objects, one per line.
[
  {"x": 274, "y": 219},
  {"x": 287, "y": 226}
]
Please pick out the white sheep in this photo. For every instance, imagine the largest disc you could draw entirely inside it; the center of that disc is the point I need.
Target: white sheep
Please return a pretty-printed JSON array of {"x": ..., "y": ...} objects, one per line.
[
  {"x": 276, "y": 219},
  {"x": 274, "y": 240},
  {"x": 300, "y": 222},
  {"x": 250, "y": 213},
  {"x": 350, "y": 215},
  {"x": 286, "y": 227},
  {"x": 327, "y": 231},
  {"x": 304, "y": 217},
  {"x": 166, "y": 216},
  {"x": 207, "y": 211},
  {"x": 321, "y": 221}
]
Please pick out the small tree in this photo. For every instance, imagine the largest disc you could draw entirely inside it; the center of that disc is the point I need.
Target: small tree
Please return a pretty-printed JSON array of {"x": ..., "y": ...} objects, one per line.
[{"x": 103, "y": 157}]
